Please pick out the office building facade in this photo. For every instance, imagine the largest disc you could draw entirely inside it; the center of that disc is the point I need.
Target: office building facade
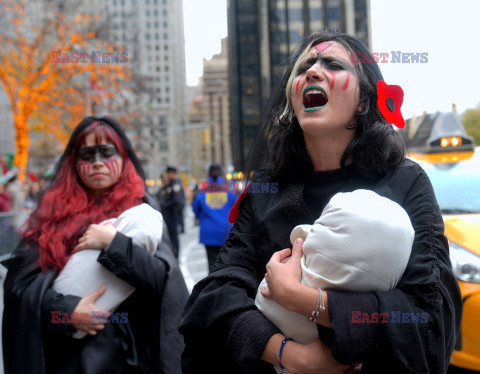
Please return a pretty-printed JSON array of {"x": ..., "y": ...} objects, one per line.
[{"x": 262, "y": 33}]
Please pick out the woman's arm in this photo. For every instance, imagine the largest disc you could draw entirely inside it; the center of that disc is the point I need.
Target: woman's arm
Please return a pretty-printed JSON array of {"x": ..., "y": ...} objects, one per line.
[
  {"x": 134, "y": 265},
  {"x": 125, "y": 259},
  {"x": 283, "y": 279},
  {"x": 427, "y": 288}
]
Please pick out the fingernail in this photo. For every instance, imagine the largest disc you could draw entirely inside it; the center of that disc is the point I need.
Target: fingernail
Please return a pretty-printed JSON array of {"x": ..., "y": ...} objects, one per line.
[{"x": 298, "y": 241}]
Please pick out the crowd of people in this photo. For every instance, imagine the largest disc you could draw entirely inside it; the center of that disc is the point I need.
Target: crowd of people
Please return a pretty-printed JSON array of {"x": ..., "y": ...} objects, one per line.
[{"x": 309, "y": 237}]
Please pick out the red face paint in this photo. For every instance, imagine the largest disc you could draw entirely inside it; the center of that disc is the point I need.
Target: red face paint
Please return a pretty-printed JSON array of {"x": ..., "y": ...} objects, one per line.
[
  {"x": 112, "y": 164},
  {"x": 345, "y": 86},
  {"x": 84, "y": 167},
  {"x": 332, "y": 78},
  {"x": 299, "y": 80},
  {"x": 322, "y": 47}
]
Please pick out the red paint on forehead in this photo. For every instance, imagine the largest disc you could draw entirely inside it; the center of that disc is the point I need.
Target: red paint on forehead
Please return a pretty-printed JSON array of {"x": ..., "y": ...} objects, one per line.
[
  {"x": 322, "y": 46},
  {"x": 345, "y": 86}
]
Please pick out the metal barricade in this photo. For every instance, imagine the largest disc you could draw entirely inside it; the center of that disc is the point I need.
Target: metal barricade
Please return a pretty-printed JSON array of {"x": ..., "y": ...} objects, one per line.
[{"x": 10, "y": 222}]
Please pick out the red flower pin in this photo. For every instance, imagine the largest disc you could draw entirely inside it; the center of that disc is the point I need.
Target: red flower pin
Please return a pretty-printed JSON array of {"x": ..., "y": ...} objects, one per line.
[{"x": 390, "y": 99}]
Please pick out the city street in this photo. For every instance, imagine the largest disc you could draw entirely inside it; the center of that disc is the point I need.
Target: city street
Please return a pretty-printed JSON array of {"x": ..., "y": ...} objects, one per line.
[{"x": 193, "y": 257}]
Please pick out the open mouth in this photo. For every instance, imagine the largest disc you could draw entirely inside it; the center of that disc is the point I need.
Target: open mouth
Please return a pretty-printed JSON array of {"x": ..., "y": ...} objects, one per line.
[{"x": 314, "y": 98}]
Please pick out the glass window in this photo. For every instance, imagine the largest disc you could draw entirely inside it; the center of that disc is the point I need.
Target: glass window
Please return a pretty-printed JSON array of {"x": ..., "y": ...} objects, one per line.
[{"x": 295, "y": 15}]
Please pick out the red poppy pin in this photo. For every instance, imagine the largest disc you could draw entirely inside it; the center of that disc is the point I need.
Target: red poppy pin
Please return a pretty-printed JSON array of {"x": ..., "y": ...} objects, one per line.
[{"x": 390, "y": 99}]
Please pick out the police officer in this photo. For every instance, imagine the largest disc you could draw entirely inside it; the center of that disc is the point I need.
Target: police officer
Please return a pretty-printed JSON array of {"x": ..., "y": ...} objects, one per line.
[{"x": 171, "y": 197}]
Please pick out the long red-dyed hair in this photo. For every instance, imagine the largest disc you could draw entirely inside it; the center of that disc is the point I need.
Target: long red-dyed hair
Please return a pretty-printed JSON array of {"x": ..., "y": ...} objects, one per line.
[{"x": 67, "y": 208}]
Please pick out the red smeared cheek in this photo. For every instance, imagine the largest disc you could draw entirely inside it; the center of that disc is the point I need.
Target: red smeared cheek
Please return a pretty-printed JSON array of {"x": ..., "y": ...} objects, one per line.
[
  {"x": 84, "y": 169},
  {"x": 345, "y": 86},
  {"x": 300, "y": 78},
  {"x": 112, "y": 164},
  {"x": 332, "y": 80}
]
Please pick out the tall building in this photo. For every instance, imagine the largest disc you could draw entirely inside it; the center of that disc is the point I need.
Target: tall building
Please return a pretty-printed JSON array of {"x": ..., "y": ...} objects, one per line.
[
  {"x": 209, "y": 116},
  {"x": 215, "y": 93},
  {"x": 262, "y": 33},
  {"x": 199, "y": 135},
  {"x": 152, "y": 32}
]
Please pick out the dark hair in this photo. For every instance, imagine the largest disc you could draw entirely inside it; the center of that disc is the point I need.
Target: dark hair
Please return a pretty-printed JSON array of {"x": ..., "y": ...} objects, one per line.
[
  {"x": 67, "y": 208},
  {"x": 215, "y": 167},
  {"x": 171, "y": 169},
  {"x": 279, "y": 144}
]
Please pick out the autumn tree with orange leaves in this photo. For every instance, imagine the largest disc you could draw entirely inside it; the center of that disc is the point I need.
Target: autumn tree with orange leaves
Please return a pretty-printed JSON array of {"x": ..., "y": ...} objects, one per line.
[{"x": 49, "y": 89}]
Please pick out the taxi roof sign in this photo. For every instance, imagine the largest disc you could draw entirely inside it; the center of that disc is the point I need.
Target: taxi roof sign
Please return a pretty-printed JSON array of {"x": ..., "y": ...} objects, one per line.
[{"x": 437, "y": 132}]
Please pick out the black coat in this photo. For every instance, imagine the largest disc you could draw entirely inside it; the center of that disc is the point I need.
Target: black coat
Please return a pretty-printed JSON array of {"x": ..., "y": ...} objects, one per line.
[
  {"x": 263, "y": 227},
  {"x": 148, "y": 343}
]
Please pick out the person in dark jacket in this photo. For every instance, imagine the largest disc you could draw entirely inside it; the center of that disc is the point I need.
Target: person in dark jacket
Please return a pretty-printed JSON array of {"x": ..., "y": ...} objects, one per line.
[
  {"x": 97, "y": 177},
  {"x": 211, "y": 206},
  {"x": 327, "y": 129},
  {"x": 171, "y": 197}
]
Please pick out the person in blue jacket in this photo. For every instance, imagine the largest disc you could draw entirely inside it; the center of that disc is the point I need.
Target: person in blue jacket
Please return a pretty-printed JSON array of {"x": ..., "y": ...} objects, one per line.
[{"x": 211, "y": 206}]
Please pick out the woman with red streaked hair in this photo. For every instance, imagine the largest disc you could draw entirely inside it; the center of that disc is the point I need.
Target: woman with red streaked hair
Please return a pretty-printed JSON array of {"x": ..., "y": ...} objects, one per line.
[{"x": 98, "y": 177}]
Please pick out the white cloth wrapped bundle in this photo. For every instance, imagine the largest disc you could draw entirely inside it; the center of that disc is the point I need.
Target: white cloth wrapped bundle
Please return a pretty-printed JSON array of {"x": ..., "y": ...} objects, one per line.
[
  {"x": 82, "y": 274},
  {"x": 361, "y": 242}
]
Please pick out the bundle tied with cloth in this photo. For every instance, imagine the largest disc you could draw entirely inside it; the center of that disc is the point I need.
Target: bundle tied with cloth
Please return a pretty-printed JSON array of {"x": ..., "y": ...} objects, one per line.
[{"x": 82, "y": 274}]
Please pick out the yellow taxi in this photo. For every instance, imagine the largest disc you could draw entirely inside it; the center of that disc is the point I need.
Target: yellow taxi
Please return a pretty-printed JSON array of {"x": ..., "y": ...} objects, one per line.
[{"x": 455, "y": 176}]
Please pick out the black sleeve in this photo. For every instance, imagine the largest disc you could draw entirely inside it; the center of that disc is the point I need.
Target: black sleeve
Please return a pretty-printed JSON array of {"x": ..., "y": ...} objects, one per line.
[
  {"x": 249, "y": 334},
  {"x": 53, "y": 305},
  {"x": 424, "y": 310},
  {"x": 216, "y": 310},
  {"x": 351, "y": 342},
  {"x": 134, "y": 264}
]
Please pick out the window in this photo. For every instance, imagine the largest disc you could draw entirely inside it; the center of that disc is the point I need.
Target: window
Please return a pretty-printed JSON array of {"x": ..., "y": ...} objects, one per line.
[
  {"x": 165, "y": 24},
  {"x": 165, "y": 36}
]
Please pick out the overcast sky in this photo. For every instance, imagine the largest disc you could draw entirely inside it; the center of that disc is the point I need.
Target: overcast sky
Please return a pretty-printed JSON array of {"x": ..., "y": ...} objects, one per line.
[{"x": 447, "y": 31}]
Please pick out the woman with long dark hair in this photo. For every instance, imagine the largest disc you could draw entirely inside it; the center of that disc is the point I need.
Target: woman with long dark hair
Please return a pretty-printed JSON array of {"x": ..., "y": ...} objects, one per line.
[
  {"x": 327, "y": 129},
  {"x": 98, "y": 177}
]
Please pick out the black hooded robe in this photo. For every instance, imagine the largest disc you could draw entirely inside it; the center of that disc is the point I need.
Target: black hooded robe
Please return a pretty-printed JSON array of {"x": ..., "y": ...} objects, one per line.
[
  {"x": 220, "y": 321},
  {"x": 148, "y": 342}
]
